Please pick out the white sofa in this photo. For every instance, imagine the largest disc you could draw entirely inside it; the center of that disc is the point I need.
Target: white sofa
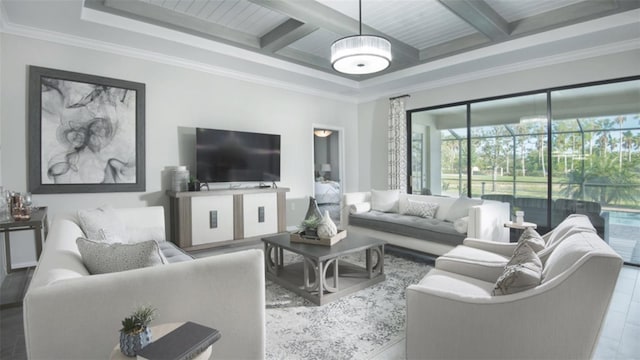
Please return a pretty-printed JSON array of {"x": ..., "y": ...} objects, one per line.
[
  {"x": 455, "y": 316},
  {"x": 70, "y": 314},
  {"x": 485, "y": 221}
]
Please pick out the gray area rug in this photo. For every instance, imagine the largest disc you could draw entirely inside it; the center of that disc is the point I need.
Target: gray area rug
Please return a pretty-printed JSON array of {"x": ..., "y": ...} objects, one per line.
[{"x": 356, "y": 326}]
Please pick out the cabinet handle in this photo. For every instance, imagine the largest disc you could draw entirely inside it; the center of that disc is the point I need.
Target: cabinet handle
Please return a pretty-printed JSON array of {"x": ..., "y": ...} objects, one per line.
[{"x": 213, "y": 219}]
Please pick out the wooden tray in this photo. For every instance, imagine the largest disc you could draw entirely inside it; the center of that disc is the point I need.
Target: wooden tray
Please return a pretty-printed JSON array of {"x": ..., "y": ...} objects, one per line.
[{"x": 301, "y": 238}]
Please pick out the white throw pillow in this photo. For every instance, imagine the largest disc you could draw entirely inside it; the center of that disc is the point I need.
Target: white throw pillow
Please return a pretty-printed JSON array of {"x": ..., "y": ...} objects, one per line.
[
  {"x": 385, "y": 200},
  {"x": 102, "y": 224},
  {"x": 359, "y": 208},
  {"x": 522, "y": 272},
  {"x": 460, "y": 208},
  {"x": 101, "y": 258},
  {"x": 420, "y": 208}
]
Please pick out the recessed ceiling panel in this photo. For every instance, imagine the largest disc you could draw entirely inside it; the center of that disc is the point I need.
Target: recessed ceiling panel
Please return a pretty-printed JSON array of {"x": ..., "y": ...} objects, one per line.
[
  {"x": 240, "y": 15},
  {"x": 421, "y": 24},
  {"x": 512, "y": 10}
]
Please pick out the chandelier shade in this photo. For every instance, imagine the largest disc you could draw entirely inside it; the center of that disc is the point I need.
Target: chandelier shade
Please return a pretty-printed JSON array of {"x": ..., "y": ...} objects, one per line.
[{"x": 361, "y": 54}]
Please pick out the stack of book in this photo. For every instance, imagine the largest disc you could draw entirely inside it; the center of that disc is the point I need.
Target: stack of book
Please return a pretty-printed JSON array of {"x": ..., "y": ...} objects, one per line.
[{"x": 184, "y": 343}]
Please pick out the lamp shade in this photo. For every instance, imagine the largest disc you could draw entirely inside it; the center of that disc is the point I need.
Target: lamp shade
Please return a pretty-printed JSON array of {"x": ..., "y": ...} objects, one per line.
[
  {"x": 361, "y": 54},
  {"x": 322, "y": 133},
  {"x": 325, "y": 167}
]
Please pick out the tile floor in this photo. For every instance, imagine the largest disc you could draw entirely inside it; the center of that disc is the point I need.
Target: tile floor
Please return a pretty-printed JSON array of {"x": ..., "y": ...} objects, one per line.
[{"x": 620, "y": 337}]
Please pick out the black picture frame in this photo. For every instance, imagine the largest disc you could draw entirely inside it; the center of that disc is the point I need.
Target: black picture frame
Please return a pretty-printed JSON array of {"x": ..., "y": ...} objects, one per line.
[{"x": 87, "y": 124}]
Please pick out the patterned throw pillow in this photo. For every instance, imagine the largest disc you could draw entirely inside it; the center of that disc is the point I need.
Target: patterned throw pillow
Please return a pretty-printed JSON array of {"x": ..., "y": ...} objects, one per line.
[
  {"x": 532, "y": 238},
  {"x": 522, "y": 272},
  {"x": 423, "y": 209},
  {"x": 101, "y": 258}
]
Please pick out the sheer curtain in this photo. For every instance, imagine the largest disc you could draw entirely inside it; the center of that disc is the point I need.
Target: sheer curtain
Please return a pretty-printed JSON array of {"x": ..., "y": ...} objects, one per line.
[{"x": 398, "y": 144}]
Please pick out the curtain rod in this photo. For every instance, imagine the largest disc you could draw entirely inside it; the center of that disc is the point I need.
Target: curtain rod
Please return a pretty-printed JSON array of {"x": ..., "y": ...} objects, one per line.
[{"x": 398, "y": 97}]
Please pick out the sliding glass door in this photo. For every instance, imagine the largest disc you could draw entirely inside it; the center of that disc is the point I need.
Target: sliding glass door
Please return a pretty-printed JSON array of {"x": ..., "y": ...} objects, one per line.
[
  {"x": 550, "y": 154},
  {"x": 596, "y": 160}
]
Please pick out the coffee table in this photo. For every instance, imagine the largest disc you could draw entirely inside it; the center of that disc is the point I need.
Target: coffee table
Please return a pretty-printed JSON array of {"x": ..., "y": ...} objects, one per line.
[{"x": 322, "y": 275}]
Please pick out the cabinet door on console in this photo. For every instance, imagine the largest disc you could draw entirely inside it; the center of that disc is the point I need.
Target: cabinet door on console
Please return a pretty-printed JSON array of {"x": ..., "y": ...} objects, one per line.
[
  {"x": 212, "y": 219},
  {"x": 260, "y": 214}
]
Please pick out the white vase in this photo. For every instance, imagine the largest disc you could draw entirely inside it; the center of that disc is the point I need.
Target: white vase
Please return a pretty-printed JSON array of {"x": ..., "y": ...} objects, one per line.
[{"x": 327, "y": 227}]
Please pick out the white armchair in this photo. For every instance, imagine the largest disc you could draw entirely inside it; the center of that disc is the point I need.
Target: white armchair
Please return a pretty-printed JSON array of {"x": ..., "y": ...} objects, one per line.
[{"x": 453, "y": 316}]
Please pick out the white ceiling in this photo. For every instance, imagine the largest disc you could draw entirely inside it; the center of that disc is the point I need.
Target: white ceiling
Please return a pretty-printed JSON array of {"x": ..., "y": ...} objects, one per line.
[{"x": 285, "y": 43}]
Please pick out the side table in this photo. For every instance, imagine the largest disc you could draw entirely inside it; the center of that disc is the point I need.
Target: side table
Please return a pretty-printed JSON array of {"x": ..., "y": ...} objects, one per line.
[
  {"x": 157, "y": 332},
  {"x": 520, "y": 227},
  {"x": 37, "y": 223}
]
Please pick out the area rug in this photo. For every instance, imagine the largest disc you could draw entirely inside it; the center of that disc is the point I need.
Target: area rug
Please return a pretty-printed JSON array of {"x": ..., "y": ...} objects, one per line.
[{"x": 353, "y": 327}]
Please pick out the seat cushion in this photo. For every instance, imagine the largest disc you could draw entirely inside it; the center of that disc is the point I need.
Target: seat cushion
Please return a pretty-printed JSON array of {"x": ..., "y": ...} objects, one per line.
[
  {"x": 448, "y": 283},
  {"x": 411, "y": 226},
  {"x": 476, "y": 263}
]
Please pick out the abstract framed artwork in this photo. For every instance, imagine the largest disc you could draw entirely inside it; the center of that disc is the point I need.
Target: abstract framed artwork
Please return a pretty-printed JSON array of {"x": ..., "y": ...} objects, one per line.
[{"x": 86, "y": 133}]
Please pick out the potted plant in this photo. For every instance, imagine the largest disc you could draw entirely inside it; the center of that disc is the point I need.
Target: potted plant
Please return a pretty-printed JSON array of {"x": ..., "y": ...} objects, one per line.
[
  {"x": 136, "y": 333},
  {"x": 194, "y": 184},
  {"x": 310, "y": 226}
]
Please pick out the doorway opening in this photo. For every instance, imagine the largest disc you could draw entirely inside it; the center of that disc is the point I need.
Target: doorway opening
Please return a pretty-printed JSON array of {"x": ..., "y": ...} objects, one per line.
[{"x": 328, "y": 170}]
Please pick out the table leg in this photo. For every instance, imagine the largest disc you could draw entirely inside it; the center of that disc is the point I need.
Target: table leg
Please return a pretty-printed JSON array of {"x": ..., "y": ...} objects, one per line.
[
  {"x": 321, "y": 281},
  {"x": 38, "y": 231},
  {"x": 7, "y": 251},
  {"x": 369, "y": 262}
]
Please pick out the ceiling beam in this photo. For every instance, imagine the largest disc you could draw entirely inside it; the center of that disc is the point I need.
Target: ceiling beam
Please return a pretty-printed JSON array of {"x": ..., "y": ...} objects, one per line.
[
  {"x": 317, "y": 14},
  {"x": 285, "y": 34},
  {"x": 481, "y": 16}
]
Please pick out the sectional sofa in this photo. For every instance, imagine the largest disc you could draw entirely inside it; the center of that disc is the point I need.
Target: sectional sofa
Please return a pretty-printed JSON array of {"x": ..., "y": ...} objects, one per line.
[{"x": 71, "y": 314}]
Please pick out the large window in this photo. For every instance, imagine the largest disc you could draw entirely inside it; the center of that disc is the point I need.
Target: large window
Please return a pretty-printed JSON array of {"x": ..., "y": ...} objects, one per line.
[{"x": 549, "y": 153}]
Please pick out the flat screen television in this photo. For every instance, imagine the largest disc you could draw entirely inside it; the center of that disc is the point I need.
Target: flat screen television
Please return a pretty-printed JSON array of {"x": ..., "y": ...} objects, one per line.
[{"x": 228, "y": 156}]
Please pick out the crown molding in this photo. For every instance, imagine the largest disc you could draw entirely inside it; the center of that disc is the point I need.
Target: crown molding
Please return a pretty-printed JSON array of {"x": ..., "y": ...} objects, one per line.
[
  {"x": 86, "y": 43},
  {"x": 597, "y": 51}
]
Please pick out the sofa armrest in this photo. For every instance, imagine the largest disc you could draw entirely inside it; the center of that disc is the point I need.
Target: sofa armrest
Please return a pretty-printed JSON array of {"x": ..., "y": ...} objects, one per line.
[
  {"x": 486, "y": 221},
  {"x": 349, "y": 199},
  {"x": 80, "y": 318},
  {"x": 501, "y": 248}
]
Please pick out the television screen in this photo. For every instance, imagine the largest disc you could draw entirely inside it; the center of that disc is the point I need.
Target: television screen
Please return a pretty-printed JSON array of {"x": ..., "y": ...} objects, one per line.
[{"x": 226, "y": 156}]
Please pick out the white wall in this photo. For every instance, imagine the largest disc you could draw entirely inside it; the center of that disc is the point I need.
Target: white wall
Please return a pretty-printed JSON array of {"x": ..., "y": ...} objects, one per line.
[
  {"x": 373, "y": 116},
  {"x": 2, "y": 255},
  {"x": 177, "y": 100}
]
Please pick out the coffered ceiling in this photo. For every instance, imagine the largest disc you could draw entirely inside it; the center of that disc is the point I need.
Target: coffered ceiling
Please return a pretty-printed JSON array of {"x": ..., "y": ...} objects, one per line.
[{"x": 289, "y": 40}]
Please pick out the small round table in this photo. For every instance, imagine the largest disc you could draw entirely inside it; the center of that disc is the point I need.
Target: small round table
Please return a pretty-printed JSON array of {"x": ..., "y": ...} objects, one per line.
[
  {"x": 519, "y": 227},
  {"x": 157, "y": 332},
  {"x": 524, "y": 225}
]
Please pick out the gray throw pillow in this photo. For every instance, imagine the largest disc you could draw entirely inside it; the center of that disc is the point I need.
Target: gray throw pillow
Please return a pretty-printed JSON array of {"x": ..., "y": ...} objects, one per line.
[
  {"x": 522, "y": 272},
  {"x": 102, "y": 224},
  {"x": 101, "y": 258},
  {"x": 423, "y": 209},
  {"x": 532, "y": 238},
  {"x": 460, "y": 208}
]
